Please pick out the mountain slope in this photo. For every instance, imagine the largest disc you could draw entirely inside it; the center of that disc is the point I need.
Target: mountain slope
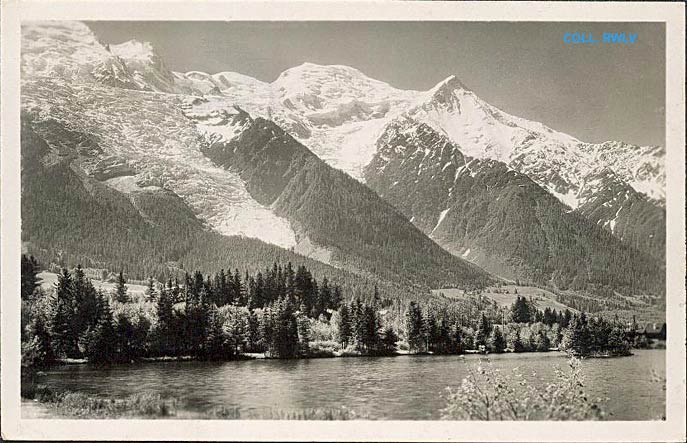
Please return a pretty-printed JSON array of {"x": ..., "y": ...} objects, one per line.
[
  {"x": 330, "y": 210},
  {"x": 71, "y": 218},
  {"x": 499, "y": 218}
]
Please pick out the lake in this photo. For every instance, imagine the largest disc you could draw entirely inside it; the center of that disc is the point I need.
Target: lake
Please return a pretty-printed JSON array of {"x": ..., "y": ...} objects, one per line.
[{"x": 400, "y": 388}]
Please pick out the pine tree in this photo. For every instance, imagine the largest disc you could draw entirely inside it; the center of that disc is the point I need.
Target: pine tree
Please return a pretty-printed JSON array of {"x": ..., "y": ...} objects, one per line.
[
  {"x": 286, "y": 329},
  {"x": 224, "y": 293},
  {"x": 303, "y": 323},
  {"x": 389, "y": 339},
  {"x": 414, "y": 326},
  {"x": 457, "y": 341},
  {"x": 371, "y": 329},
  {"x": 150, "y": 290},
  {"x": 37, "y": 351},
  {"x": 266, "y": 329},
  {"x": 337, "y": 299},
  {"x": 85, "y": 303},
  {"x": 65, "y": 336},
  {"x": 576, "y": 339},
  {"x": 543, "y": 343},
  {"x": 520, "y": 310},
  {"x": 29, "y": 276},
  {"x": 289, "y": 280},
  {"x": 358, "y": 323},
  {"x": 324, "y": 299},
  {"x": 101, "y": 341},
  {"x": 443, "y": 341},
  {"x": 517, "y": 345},
  {"x": 429, "y": 330},
  {"x": 165, "y": 315},
  {"x": 253, "y": 295},
  {"x": 496, "y": 341},
  {"x": 258, "y": 297},
  {"x": 121, "y": 289},
  {"x": 483, "y": 332},
  {"x": 215, "y": 347},
  {"x": 344, "y": 326}
]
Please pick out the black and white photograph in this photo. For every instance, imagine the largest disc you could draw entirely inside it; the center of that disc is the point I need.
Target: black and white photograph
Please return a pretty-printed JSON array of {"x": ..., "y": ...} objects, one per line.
[{"x": 369, "y": 221}]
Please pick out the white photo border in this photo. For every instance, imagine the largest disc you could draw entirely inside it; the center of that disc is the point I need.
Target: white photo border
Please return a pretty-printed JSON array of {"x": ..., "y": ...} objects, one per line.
[{"x": 14, "y": 427}]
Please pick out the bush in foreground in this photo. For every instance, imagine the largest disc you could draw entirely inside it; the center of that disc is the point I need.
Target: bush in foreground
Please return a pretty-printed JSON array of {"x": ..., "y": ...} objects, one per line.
[{"x": 488, "y": 394}]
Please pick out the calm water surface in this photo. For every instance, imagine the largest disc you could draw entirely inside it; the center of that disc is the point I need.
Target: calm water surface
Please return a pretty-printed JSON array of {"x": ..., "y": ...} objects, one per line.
[{"x": 401, "y": 388}]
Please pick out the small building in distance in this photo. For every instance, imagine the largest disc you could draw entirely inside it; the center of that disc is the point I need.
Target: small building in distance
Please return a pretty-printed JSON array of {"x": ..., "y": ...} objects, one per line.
[{"x": 654, "y": 331}]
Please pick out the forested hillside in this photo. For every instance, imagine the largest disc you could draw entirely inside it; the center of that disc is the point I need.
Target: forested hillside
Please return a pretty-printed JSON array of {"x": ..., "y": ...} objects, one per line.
[
  {"x": 633, "y": 218},
  {"x": 336, "y": 212},
  {"x": 69, "y": 218},
  {"x": 501, "y": 219}
]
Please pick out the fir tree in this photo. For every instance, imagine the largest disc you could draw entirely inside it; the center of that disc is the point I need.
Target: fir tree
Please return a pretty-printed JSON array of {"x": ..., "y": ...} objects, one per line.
[
  {"x": 483, "y": 332},
  {"x": 337, "y": 299},
  {"x": 120, "y": 289},
  {"x": 496, "y": 341},
  {"x": 358, "y": 323},
  {"x": 324, "y": 299},
  {"x": 150, "y": 290},
  {"x": 65, "y": 336},
  {"x": 389, "y": 339},
  {"x": 576, "y": 339},
  {"x": 303, "y": 323},
  {"x": 344, "y": 326},
  {"x": 37, "y": 351},
  {"x": 165, "y": 316},
  {"x": 457, "y": 340},
  {"x": 29, "y": 276},
  {"x": 371, "y": 329},
  {"x": 215, "y": 347},
  {"x": 101, "y": 341},
  {"x": 414, "y": 326}
]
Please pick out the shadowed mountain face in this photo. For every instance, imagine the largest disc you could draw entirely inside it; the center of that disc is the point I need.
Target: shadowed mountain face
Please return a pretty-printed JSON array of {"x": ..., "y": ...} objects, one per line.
[
  {"x": 500, "y": 219},
  {"x": 357, "y": 229},
  {"x": 629, "y": 215}
]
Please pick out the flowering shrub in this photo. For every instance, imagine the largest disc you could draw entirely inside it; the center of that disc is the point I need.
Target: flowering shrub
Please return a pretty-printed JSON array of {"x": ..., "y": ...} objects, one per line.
[{"x": 489, "y": 394}]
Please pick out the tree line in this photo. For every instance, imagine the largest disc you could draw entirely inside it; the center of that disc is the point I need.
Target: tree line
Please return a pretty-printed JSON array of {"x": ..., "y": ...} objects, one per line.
[{"x": 282, "y": 312}]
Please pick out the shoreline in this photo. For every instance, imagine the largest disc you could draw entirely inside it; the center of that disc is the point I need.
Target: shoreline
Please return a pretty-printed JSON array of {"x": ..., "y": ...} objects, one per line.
[{"x": 263, "y": 356}]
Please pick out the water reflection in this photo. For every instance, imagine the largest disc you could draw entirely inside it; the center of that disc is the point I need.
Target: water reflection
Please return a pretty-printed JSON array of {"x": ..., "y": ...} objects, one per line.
[{"x": 402, "y": 388}]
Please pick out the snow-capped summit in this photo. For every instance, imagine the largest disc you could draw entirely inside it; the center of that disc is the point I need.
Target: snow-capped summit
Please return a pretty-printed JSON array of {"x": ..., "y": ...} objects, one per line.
[
  {"x": 316, "y": 87},
  {"x": 70, "y": 51},
  {"x": 445, "y": 89},
  {"x": 133, "y": 50},
  {"x": 145, "y": 66}
]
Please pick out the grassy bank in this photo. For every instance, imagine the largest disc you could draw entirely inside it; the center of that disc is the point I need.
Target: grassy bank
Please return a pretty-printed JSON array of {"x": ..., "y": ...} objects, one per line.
[
  {"x": 81, "y": 405},
  {"x": 44, "y": 403}
]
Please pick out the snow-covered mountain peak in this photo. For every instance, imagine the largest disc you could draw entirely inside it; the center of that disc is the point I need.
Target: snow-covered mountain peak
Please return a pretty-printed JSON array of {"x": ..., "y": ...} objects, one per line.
[
  {"x": 311, "y": 88},
  {"x": 134, "y": 50},
  {"x": 70, "y": 51},
  {"x": 447, "y": 85}
]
